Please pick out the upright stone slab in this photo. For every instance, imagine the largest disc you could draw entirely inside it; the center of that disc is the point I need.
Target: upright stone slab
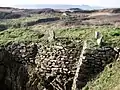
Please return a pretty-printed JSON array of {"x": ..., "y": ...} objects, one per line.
[
  {"x": 97, "y": 35},
  {"x": 51, "y": 35}
]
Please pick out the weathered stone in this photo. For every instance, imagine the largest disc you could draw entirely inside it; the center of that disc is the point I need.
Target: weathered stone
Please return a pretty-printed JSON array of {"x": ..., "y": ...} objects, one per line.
[{"x": 37, "y": 67}]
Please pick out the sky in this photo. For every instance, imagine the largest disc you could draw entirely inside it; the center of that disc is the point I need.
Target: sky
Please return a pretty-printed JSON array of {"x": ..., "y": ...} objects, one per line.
[{"x": 102, "y": 3}]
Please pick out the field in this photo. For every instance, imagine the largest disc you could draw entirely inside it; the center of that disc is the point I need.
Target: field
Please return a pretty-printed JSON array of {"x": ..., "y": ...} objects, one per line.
[{"x": 35, "y": 25}]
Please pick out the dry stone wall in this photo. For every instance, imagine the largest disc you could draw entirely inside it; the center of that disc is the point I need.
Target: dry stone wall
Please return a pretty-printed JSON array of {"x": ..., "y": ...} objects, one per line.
[
  {"x": 13, "y": 75},
  {"x": 38, "y": 66},
  {"x": 93, "y": 62},
  {"x": 58, "y": 64}
]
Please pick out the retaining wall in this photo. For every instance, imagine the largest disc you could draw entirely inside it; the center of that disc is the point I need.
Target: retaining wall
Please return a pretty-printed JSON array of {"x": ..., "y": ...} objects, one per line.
[{"x": 50, "y": 66}]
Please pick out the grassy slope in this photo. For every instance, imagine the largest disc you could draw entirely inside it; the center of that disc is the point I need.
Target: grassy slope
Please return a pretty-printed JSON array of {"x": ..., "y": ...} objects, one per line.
[
  {"x": 11, "y": 23},
  {"x": 111, "y": 36},
  {"x": 109, "y": 79},
  {"x": 20, "y": 34}
]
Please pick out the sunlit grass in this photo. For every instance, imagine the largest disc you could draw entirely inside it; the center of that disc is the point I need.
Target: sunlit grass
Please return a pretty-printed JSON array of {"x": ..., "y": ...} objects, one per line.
[{"x": 21, "y": 34}]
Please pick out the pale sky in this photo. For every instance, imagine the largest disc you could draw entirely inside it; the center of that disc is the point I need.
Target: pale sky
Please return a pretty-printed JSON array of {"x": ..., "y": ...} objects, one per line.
[{"x": 103, "y": 3}]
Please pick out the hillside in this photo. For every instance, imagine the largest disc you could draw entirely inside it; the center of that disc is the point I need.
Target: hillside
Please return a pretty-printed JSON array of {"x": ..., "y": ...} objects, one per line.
[
  {"x": 42, "y": 49},
  {"x": 58, "y": 6}
]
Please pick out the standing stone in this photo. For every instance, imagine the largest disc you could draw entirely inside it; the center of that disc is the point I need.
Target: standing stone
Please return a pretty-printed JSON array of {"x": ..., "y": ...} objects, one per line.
[
  {"x": 97, "y": 35},
  {"x": 100, "y": 41},
  {"x": 51, "y": 35},
  {"x": 99, "y": 38}
]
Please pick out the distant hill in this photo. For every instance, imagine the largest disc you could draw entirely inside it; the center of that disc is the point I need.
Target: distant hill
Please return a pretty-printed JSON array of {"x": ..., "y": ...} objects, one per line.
[{"x": 55, "y": 6}]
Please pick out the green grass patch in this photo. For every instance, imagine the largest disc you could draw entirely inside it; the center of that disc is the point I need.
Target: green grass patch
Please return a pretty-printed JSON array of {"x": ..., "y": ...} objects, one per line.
[
  {"x": 109, "y": 79},
  {"x": 20, "y": 34},
  {"x": 111, "y": 35}
]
